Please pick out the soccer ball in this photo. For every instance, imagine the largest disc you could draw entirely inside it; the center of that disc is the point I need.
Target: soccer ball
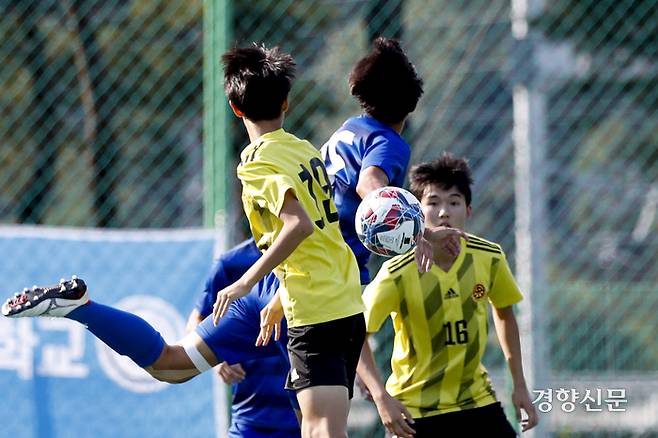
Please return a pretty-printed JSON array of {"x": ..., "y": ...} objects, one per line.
[{"x": 389, "y": 221}]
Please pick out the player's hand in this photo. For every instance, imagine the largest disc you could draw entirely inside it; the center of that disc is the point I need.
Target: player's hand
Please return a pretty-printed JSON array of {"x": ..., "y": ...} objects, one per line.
[
  {"x": 522, "y": 402},
  {"x": 231, "y": 374},
  {"x": 395, "y": 416},
  {"x": 424, "y": 255},
  {"x": 446, "y": 238},
  {"x": 270, "y": 320},
  {"x": 225, "y": 297},
  {"x": 451, "y": 245},
  {"x": 441, "y": 235}
]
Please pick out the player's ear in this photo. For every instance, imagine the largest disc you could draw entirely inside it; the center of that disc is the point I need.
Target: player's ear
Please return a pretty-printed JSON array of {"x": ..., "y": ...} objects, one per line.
[
  {"x": 235, "y": 109},
  {"x": 284, "y": 106},
  {"x": 469, "y": 210}
]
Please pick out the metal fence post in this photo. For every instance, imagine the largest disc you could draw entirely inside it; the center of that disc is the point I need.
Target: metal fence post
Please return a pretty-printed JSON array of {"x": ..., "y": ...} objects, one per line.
[
  {"x": 529, "y": 136},
  {"x": 216, "y": 135}
]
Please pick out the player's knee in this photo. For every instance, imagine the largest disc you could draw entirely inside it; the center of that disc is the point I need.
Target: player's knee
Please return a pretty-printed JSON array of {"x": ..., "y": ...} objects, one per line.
[
  {"x": 174, "y": 379},
  {"x": 172, "y": 376},
  {"x": 171, "y": 367},
  {"x": 165, "y": 361},
  {"x": 157, "y": 374},
  {"x": 166, "y": 379},
  {"x": 323, "y": 428}
]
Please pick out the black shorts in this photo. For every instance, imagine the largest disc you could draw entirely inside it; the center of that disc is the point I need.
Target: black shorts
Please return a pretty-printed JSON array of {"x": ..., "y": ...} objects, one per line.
[
  {"x": 488, "y": 420},
  {"x": 326, "y": 353}
]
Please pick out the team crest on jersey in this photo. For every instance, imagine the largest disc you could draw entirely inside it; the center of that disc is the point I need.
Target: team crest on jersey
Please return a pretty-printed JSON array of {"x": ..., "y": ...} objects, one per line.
[{"x": 478, "y": 292}]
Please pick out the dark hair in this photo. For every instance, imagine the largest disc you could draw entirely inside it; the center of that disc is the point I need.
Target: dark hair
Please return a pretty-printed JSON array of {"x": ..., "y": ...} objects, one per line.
[
  {"x": 446, "y": 172},
  {"x": 257, "y": 80},
  {"x": 386, "y": 83}
]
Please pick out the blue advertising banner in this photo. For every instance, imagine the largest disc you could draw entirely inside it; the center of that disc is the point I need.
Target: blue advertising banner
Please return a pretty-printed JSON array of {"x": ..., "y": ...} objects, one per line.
[{"x": 57, "y": 379}]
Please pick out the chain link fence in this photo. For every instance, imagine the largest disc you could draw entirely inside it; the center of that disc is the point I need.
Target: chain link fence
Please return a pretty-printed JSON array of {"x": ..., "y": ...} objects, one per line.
[
  {"x": 101, "y": 113},
  {"x": 102, "y": 125}
]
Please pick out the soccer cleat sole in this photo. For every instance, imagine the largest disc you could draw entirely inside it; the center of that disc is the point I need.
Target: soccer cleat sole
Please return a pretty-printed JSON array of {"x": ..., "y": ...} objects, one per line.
[{"x": 56, "y": 301}]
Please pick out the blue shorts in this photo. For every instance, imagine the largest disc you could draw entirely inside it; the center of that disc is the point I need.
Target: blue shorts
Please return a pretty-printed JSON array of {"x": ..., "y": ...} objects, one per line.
[
  {"x": 233, "y": 339},
  {"x": 241, "y": 430}
]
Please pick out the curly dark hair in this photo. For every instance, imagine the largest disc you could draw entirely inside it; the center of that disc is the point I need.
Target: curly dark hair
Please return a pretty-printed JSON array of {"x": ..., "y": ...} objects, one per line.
[
  {"x": 257, "y": 80},
  {"x": 446, "y": 171},
  {"x": 386, "y": 83}
]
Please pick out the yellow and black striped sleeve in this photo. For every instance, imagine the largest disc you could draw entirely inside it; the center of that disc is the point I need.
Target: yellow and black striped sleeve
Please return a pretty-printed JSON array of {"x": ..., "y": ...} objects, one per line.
[
  {"x": 504, "y": 291},
  {"x": 398, "y": 262},
  {"x": 480, "y": 244}
]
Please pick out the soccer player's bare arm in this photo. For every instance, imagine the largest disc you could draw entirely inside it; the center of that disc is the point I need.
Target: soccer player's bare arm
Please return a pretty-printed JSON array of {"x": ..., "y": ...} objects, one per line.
[
  {"x": 382, "y": 297},
  {"x": 392, "y": 412},
  {"x": 371, "y": 179},
  {"x": 508, "y": 335},
  {"x": 297, "y": 226}
]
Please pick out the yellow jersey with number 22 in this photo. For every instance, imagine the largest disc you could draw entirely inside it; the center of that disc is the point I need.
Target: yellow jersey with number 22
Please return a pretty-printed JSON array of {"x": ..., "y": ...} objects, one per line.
[{"x": 320, "y": 279}]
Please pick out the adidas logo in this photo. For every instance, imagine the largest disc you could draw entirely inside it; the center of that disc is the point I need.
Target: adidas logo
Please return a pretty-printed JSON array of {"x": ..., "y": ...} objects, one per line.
[{"x": 451, "y": 294}]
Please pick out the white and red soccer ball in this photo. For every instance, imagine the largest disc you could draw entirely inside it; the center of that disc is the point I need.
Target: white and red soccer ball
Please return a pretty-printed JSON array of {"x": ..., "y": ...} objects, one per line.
[{"x": 389, "y": 221}]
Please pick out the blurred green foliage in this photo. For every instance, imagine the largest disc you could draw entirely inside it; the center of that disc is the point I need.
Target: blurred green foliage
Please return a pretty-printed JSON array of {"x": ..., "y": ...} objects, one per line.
[{"x": 104, "y": 108}]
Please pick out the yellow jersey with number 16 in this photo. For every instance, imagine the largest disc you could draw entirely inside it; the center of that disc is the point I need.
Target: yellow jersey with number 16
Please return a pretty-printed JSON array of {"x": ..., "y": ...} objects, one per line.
[
  {"x": 319, "y": 281},
  {"x": 440, "y": 319}
]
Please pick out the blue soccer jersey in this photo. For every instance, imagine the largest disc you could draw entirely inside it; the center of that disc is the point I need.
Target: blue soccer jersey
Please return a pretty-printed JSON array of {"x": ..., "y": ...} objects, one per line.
[
  {"x": 260, "y": 403},
  {"x": 226, "y": 270},
  {"x": 360, "y": 143}
]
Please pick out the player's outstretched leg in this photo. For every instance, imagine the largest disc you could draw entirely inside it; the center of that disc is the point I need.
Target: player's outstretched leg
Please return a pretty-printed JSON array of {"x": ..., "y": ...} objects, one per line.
[{"x": 124, "y": 332}]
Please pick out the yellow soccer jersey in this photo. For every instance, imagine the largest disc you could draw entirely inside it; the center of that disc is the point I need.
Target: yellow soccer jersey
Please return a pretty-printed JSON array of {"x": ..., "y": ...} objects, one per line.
[
  {"x": 440, "y": 323},
  {"x": 320, "y": 279}
]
